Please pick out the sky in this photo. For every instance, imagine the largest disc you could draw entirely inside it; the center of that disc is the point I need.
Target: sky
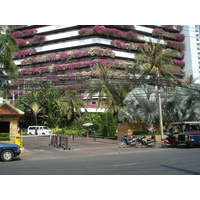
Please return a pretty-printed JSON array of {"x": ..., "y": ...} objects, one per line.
[{"x": 111, "y": 12}]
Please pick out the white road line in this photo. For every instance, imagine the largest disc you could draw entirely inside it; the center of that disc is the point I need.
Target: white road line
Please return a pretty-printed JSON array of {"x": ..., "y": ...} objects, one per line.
[{"x": 126, "y": 164}]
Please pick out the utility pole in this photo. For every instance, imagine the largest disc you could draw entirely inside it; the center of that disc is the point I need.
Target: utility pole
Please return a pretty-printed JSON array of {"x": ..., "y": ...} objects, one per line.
[
  {"x": 159, "y": 105},
  {"x": 160, "y": 113}
]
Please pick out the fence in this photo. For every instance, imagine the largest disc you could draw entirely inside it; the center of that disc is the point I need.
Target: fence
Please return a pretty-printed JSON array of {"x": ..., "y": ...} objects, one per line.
[
  {"x": 59, "y": 141},
  {"x": 87, "y": 137}
]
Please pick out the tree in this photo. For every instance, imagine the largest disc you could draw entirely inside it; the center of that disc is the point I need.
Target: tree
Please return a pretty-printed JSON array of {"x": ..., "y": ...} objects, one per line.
[
  {"x": 31, "y": 101},
  {"x": 155, "y": 62},
  {"x": 141, "y": 105},
  {"x": 8, "y": 47},
  {"x": 52, "y": 102},
  {"x": 109, "y": 92},
  {"x": 60, "y": 107},
  {"x": 108, "y": 127},
  {"x": 182, "y": 104}
]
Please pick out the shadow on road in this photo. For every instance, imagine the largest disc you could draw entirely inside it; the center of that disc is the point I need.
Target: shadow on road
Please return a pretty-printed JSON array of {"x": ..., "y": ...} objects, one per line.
[{"x": 183, "y": 170}]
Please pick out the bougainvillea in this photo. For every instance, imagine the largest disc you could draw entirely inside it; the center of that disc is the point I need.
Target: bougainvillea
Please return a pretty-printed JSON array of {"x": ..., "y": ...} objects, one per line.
[
  {"x": 37, "y": 39},
  {"x": 161, "y": 33},
  {"x": 127, "y": 45},
  {"x": 179, "y": 63},
  {"x": 25, "y": 52},
  {"x": 173, "y": 27},
  {"x": 175, "y": 45},
  {"x": 126, "y": 26},
  {"x": 72, "y": 66},
  {"x": 173, "y": 69},
  {"x": 27, "y": 32},
  {"x": 69, "y": 55},
  {"x": 21, "y": 42},
  {"x": 109, "y": 32}
]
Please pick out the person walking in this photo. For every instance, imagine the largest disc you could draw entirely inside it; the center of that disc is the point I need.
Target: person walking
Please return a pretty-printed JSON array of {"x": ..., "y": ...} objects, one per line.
[{"x": 36, "y": 133}]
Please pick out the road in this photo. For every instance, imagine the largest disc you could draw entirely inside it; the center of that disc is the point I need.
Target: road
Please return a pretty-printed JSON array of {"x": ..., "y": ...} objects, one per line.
[{"x": 145, "y": 161}]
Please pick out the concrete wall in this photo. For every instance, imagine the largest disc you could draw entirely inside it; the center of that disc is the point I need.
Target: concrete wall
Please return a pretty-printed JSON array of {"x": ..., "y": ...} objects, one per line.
[
  {"x": 130, "y": 127},
  {"x": 13, "y": 129}
]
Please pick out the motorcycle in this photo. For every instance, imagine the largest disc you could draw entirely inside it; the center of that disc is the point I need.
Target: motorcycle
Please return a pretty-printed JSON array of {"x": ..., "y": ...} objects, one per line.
[
  {"x": 151, "y": 142},
  {"x": 169, "y": 142},
  {"x": 132, "y": 141}
]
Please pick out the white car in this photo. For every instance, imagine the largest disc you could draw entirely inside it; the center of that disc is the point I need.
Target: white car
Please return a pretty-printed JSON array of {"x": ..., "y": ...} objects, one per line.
[{"x": 41, "y": 130}]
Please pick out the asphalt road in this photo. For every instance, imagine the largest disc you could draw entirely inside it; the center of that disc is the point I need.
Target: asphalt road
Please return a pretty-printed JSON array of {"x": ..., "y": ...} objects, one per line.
[{"x": 108, "y": 160}]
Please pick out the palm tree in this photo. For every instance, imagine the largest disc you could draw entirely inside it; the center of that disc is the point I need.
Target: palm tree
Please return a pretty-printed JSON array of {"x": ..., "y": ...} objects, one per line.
[
  {"x": 141, "y": 105},
  {"x": 53, "y": 114},
  {"x": 8, "y": 47},
  {"x": 51, "y": 100},
  {"x": 183, "y": 104},
  {"x": 155, "y": 62},
  {"x": 31, "y": 101},
  {"x": 109, "y": 92},
  {"x": 73, "y": 104},
  {"x": 60, "y": 107}
]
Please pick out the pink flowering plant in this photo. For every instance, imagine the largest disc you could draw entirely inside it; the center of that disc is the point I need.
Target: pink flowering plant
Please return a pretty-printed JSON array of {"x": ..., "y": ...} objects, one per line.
[
  {"x": 127, "y": 45},
  {"x": 175, "y": 45},
  {"x": 68, "y": 55},
  {"x": 21, "y": 42},
  {"x": 25, "y": 52},
  {"x": 71, "y": 66},
  {"x": 37, "y": 39},
  {"x": 161, "y": 33},
  {"x": 179, "y": 63},
  {"x": 174, "y": 27},
  {"x": 109, "y": 32},
  {"x": 27, "y": 32}
]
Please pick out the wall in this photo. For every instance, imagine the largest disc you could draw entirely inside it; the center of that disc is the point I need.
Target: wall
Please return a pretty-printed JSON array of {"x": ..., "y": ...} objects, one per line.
[
  {"x": 130, "y": 127},
  {"x": 13, "y": 129}
]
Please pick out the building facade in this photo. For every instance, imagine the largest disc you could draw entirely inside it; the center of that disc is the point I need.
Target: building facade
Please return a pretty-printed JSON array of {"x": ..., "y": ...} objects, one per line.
[
  {"x": 66, "y": 54},
  {"x": 192, "y": 51}
]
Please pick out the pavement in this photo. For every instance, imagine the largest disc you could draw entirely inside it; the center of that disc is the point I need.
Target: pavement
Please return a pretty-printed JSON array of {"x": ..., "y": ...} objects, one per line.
[{"x": 40, "y": 147}]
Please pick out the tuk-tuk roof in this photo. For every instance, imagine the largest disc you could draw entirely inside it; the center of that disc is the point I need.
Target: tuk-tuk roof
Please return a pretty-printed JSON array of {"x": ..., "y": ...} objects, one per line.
[{"x": 187, "y": 122}]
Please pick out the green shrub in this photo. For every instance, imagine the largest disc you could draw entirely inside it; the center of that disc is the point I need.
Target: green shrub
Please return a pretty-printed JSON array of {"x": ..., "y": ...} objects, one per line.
[
  {"x": 138, "y": 132},
  {"x": 4, "y": 134},
  {"x": 68, "y": 131},
  {"x": 4, "y": 138},
  {"x": 112, "y": 137},
  {"x": 108, "y": 127}
]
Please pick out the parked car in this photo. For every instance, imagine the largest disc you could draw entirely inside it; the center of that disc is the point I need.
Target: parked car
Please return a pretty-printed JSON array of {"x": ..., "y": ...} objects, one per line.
[
  {"x": 9, "y": 151},
  {"x": 41, "y": 130}
]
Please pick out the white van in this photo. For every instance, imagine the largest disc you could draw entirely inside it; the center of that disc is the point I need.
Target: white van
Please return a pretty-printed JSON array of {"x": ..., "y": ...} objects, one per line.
[{"x": 41, "y": 130}]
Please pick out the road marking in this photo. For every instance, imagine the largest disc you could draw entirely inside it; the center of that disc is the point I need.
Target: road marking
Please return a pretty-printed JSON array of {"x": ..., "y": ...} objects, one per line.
[{"x": 123, "y": 165}]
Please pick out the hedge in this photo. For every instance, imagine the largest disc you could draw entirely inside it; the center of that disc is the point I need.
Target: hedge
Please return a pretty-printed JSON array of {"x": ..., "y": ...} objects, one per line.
[{"x": 4, "y": 137}]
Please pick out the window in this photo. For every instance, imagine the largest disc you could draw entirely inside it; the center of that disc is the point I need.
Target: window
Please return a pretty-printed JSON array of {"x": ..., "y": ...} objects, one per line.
[{"x": 5, "y": 127}]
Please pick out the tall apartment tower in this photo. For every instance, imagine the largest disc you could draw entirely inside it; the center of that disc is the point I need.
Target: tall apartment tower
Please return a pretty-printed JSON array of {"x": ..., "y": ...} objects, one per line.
[
  {"x": 66, "y": 54},
  {"x": 192, "y": 51}
]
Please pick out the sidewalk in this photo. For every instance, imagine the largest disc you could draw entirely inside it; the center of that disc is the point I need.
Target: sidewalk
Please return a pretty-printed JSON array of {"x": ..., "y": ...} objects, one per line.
[{"x": 40, "y": 148}]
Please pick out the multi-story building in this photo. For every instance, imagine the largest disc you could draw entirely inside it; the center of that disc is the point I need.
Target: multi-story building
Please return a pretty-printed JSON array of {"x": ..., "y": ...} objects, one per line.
[
  {"x": 192, "y": 52},
  {"x": 66, "y": 54}
]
